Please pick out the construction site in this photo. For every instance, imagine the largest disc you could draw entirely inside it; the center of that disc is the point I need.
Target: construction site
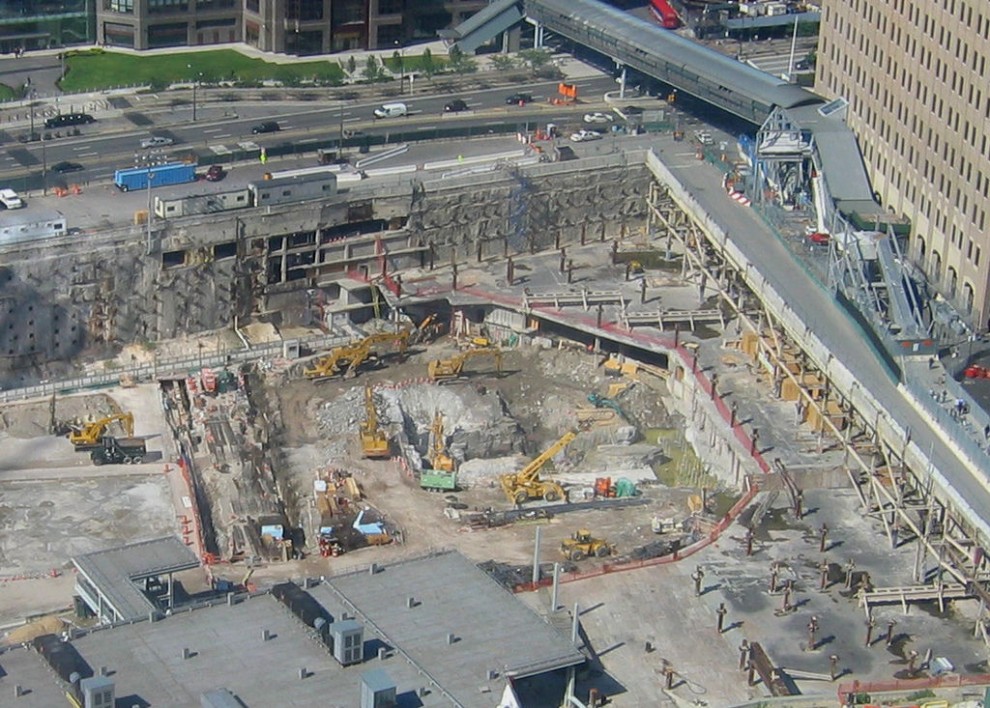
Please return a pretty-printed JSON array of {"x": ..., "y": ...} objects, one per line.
[
  {"x": 561, "y": 381},
  {"x": 593, "y": 422}
]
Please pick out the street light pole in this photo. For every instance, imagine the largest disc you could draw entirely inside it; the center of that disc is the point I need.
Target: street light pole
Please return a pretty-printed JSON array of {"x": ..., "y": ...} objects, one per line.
[
  {"x": 44, "y": 167},
  {"x": 151, "y": 176}
]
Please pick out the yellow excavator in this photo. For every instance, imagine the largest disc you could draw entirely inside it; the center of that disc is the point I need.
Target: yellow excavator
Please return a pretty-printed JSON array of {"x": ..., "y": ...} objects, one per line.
[
  {"x": 90, "y": 435},
  {"x": 346, "y": 359},
  {"x": 439, "y": 459},
  {"x": 526, "y": 484},
  {"x": 428, "y": 329},
  {"x": 374, "y": 441},
  {"x": 446, "y": 369}
]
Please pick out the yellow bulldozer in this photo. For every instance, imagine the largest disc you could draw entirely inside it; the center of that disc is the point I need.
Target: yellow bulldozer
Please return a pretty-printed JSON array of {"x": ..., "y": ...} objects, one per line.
[
  {"x": 89, "y": 435},
  {"x": 582, "y": 545},
  {"x": 447, "y": 369},
  {"x": 520, "y": 487}
]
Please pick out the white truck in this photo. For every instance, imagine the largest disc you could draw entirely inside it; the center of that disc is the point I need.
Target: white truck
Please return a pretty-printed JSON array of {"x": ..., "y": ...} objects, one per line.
[{"x": 10, "y": 200}]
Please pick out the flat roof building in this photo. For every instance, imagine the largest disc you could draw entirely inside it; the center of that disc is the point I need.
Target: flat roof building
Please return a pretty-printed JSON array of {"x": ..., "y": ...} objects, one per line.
[
  {"x": 914, "y": 74},
  {"x": 432, "y": 631},
  {"x": 301, "y": 27}
]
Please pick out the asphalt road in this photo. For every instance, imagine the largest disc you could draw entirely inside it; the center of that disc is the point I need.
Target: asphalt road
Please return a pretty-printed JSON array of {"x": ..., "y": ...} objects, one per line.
[
  {"x": 816, "y": 307},
  {"x": 114, "y": 142}
]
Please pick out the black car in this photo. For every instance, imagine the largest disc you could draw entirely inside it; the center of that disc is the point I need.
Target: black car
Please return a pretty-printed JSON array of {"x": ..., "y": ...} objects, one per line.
[
  {"x": 62, "y": 167},
  {"x": 519, "y": 99},
  {"x": 455, "y": 106},
  {"x": 66, "y": 119},
  {"x": 266, "y": 127}
]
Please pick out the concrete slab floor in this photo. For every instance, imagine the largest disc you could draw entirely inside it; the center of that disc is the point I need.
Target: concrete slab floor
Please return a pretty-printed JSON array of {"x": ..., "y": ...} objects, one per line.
[
  {"x": 55, "y": 504},
  {"x": 622, "y": 611}
]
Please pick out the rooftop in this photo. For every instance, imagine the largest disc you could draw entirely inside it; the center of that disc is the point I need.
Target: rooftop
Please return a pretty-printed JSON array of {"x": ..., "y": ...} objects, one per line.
[
  {"x": 113, "y": 572},
  {"x": 452, "y": 621}
]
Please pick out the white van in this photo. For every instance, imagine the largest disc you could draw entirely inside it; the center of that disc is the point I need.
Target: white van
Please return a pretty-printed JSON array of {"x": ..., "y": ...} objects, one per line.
[
  {"x": 392, "y": 110},
  {"x": 10, "y": 200}
]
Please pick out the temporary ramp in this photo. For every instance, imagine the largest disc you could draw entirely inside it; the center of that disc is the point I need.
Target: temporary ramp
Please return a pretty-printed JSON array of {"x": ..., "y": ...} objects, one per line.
[{"x": 484, "y": 26}]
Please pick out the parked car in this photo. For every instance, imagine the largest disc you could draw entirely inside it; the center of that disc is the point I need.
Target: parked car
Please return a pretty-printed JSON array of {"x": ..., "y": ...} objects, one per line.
[
  {"x": 583, "y": 136},
  {"x": 156, "y": 141},
  {"x": 215, "y": 173},
  {"x": 65, "y": 119},
  {"x": 598, "y": 117},
  {"x": 62, "y": 167},
  {"x": 455, "y": 106},
  {"x": 519, "y": 99},
  {"x": 269, "y": 126}
]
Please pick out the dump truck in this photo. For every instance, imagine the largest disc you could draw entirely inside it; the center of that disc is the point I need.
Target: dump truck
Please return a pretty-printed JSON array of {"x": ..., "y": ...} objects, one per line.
[{"x": 119, "y": 451}]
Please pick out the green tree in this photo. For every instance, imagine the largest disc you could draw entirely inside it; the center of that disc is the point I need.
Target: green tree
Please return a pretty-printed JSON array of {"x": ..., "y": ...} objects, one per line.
[
  {"x": 503, "y": 62},
  {"x": 535, "y": 58},
  {"x": 351, "y": 64},
  {"x": 461, "y": 63},
  {"x": 372, "y": 69},
  {"x": 427, "y": 64}
]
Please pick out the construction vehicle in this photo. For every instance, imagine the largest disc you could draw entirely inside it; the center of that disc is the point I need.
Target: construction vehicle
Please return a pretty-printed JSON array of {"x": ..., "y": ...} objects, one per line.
[
  {"x": 446, "y": 369},
  {"x": 582, "y": 545},
  {"x": 374, "y": 441},
  {"x": 346, "y": 359},
  {"x": 526, "y": 484},
  {"x": 441, "y": 475},
  {"x": 428, "y": 330},
  {"x": 88, "y": 436},
  {"x": 119, "y": 451},
  {"x": 599, "y": 401}
]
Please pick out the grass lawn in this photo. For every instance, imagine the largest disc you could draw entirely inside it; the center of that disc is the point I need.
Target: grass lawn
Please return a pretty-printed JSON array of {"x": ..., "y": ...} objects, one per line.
[
  {"x": 94, "y": 69},
  {"x": 415, "y": 64}
]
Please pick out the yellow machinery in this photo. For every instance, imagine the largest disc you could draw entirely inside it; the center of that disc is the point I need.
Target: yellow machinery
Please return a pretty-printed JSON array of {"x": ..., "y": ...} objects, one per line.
[
  {"x": 428, "y": 329},
  {"x": 90, "y": 434},
  {"x": 439, "y": 459},
  {"x": 526, "y": 484},
  {"x": 353, "y": 355},
  {"x": 581, "y": 545},
  {"x": 374, "y": 441},
  {"x": 445, "y": 369}
]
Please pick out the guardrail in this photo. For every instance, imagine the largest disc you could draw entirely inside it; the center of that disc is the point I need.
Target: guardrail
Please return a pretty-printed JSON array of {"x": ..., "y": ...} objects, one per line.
[{"x": 170, "y": 367}]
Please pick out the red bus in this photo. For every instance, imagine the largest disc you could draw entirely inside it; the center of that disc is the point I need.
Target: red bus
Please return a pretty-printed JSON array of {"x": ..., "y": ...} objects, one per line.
[{"x": 665, "y": 14}]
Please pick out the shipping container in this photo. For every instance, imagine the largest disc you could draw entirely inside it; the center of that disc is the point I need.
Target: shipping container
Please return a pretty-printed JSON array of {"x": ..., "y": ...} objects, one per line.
[{"x": 160, "y": 175}]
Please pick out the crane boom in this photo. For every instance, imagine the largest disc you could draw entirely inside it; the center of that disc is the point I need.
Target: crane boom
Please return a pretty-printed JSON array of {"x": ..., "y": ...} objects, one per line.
[{"x": 526, "y": 484}]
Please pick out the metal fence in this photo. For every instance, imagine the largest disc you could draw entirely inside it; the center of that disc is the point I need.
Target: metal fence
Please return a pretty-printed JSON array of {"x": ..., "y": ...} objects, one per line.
[{"x": 174, "y": 366}]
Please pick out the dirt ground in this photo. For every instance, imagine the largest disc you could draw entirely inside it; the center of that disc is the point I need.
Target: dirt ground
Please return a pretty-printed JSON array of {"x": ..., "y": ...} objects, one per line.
[{"x": 540, "y": 394}]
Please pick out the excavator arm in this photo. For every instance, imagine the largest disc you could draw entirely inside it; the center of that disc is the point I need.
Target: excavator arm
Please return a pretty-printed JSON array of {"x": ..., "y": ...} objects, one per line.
[
  {"x": 90, "y": 434},
  {"x": 441, "y": 369}
]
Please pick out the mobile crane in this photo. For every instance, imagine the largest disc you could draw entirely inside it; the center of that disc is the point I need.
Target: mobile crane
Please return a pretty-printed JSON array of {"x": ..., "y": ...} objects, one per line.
[
  {"x": 354, "y": 354},
  {"x": 526, "y": 484},
  {"x": 446, "y": 369},
  {"x": 89, "y": 435},
  {"x": 374, "y": 441},
  {"x": 441, "y": 476}
]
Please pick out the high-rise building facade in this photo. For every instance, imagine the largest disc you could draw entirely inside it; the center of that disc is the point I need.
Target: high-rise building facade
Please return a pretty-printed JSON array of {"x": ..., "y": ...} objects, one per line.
[
  {"x": 40, "y": 24},
  {"x": 915, "y": 75},
  {"x": 301, "y": 27}
]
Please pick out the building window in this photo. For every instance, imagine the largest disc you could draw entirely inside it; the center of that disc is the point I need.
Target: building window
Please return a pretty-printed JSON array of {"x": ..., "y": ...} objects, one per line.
[
  {"x": 126, "y": 6},
  {"x": 252, "y": 5},
  {"x": 168, "y": 5}
]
